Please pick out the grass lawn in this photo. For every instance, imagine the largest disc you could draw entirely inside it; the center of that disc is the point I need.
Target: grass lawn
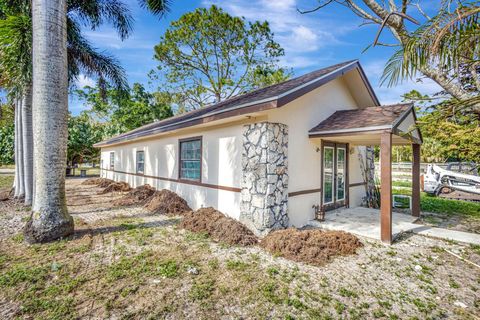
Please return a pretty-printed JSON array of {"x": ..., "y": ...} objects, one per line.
[
  {"x": 430, "y": 203},
  {"x": 6, "y": 181},
  {"x": 124, "y": 264},
  {"x": 90, "y": 171},
  {"x": 400, "y": 183},
  {"x": 7, "y": 166}
]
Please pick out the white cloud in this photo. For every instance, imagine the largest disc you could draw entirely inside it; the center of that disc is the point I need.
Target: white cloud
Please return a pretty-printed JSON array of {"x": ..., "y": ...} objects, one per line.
[
  {"x": 298, "y": 34},
  {"x": 83, "y": 81}
]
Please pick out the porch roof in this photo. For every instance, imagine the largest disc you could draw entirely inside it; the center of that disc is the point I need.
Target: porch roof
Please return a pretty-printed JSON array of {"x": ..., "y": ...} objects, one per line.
[{"x": 364, "y": 126}]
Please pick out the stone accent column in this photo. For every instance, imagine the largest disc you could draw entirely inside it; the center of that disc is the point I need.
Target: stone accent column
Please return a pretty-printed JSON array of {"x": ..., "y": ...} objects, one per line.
[{"x": 264, "y": 196}]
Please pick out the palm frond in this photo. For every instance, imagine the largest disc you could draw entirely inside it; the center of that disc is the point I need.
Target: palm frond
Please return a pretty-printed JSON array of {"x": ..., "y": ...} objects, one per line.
[
  {"x": 82, "y": 57},
  {"x": 93, "y": 13},
  {"x": 15, "y": 53},
  {"x": 157, "y": 7},
  {"x": 395, "y": 70}
]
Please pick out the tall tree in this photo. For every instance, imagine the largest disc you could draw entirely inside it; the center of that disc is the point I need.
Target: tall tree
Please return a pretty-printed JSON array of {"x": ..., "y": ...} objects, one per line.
[
  {"x": 15, "y": 65},
  {"x": 50, "y": 219},
  {"x": 436, "y": 46},
  {"x": 208, "y": 56},
  {"x": 123, "y": 111}
]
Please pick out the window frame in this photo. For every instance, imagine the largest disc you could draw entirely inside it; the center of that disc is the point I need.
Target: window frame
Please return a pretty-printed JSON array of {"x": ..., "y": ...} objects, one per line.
[
  {"x": 180, "y": 141},
  {"x": 137, "y": 162},
  {"x": 112, "y": 160}
]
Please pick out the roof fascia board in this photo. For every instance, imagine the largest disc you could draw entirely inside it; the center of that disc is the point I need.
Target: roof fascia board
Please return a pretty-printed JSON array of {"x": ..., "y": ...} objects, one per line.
[
  {"x": 191, "y": 122},
  {"x": 340, "y": 134},
  {"x": 373, "y": 128}
]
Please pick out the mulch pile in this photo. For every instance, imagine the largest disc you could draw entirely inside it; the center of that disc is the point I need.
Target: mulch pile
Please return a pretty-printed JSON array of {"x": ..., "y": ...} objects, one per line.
[
  {"x": 167, "y": 202},
  {"x": 98, "y": 182},
  {"x": 116, "y": 187},
  {"x": 315, "y": 247},
  {"x": 218, "y": 227},
  {"x": 139, "y": 195}
]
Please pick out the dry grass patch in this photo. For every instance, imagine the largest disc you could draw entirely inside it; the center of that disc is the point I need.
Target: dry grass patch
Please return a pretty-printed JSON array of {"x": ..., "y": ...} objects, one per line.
[
  {"x": 315, "y": 247},
  {"x": 167, "y": 202},
  {"x": 218, "y": 227}
]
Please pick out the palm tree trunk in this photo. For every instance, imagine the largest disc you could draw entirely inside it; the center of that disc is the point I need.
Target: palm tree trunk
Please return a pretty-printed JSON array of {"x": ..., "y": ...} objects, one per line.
[
  {"x": 27, "y": 137},
  {"x": 19, "y": 161},
  {"x": 50, "y": 219},
  {"x": 15, "y": 180}
]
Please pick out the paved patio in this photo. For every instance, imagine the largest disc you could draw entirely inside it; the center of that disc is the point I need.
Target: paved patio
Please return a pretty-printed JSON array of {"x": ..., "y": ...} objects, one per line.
[{"x": 366, "y": 222}]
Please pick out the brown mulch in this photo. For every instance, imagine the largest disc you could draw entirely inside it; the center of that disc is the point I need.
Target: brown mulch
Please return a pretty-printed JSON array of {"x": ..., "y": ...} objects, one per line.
[
  {"x": 218, "y": 227},
  {"x": 167, "y": 202},
  {"x": 315, "y": 247},
  {"x": 137, "y": 196},
  {"x": 116, "y": 187},
  {"x": 98, "y": 181}
]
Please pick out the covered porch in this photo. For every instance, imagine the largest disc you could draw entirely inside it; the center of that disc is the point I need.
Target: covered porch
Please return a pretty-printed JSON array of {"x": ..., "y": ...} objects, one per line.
[
  {"x": 384, "y": 126},
  {"x": 364, "y": 222}
]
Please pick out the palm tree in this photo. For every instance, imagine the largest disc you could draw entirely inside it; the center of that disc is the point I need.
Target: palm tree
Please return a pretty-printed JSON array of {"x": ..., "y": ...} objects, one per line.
[
  {"x": 449, "y": 42},
  {"x": 50, "y": 219},
  {"x": 16, "y": 73}
]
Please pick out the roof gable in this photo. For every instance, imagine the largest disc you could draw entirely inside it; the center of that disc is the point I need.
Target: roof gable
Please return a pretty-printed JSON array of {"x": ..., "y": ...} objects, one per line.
[{"x": 399, "y": 119}]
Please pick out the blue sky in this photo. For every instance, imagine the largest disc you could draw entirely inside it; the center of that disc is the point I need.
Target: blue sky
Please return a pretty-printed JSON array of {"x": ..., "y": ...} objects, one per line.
[{"x": 311, "y": 41}]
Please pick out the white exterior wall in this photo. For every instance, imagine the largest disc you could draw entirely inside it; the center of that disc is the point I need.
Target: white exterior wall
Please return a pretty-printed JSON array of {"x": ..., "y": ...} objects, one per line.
[
  {"x": 222, "y": 153},
  {"x": 221, "y": 165},
  {"x": 304, "y": 160}
]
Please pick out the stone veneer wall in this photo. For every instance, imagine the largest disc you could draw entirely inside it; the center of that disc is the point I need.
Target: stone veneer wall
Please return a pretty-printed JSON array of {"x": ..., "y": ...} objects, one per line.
[{"x": 264, "y": 196}]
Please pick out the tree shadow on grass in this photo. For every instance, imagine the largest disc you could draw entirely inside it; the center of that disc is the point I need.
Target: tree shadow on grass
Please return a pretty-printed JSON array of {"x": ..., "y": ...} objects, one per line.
[{"x": 102, "y": 230}]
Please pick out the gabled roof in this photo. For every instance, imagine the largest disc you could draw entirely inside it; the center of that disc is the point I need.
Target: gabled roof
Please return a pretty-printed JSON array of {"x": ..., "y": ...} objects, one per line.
[
  {"x": 369, "y": 120},
  {"x": 270, "y": 97}
]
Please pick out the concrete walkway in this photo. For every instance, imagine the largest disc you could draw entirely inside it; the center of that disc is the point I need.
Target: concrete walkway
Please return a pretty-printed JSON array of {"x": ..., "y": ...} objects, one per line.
[{"x": 366, "y": 222}]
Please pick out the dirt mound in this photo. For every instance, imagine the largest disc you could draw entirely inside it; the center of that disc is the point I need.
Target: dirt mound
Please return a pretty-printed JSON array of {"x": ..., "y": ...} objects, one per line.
[
  {"x": 98, "y": 181},
  {"x": 139, "y": 195},
  {"x": 218, "y": 227},
  {"x": 315, "y": 247},
  {"x": 116, "y": 187},
  {"x": 5, "y": 195},
  {"x": 167, "y": 202}
]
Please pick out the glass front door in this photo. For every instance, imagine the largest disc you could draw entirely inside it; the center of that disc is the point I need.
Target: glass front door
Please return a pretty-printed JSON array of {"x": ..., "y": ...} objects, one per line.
[{"x": 334, "y": 175}]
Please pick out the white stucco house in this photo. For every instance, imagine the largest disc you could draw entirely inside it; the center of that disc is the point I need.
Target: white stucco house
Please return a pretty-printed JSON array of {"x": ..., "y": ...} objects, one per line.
[{"x": 270, "y": 156}]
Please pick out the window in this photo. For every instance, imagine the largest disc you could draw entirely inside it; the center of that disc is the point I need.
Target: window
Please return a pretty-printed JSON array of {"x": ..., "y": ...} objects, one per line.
[
  {"x": 112, "y": 160},
  {"x": 191, "y": 159},
  {"x": 140, "y": 162}
]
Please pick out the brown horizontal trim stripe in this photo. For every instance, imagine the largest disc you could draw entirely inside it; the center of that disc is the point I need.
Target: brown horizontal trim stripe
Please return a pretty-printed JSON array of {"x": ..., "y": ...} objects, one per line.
[
  {"x": 298, "y": 193},
  {"x": 195, "y": 183},
  {"x": 358, "y": 184}
]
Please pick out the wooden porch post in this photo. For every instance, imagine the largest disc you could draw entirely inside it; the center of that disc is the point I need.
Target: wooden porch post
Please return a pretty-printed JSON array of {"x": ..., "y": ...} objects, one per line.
[
  {"x": 416, "y": 180},
  {"x": 386, "y": 187}
]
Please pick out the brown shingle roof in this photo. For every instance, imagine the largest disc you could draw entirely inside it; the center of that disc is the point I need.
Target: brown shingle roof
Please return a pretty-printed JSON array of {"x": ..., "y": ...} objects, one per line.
[
  {"x": 370, "y": 117},
  {"x": 268, "y": 94}
]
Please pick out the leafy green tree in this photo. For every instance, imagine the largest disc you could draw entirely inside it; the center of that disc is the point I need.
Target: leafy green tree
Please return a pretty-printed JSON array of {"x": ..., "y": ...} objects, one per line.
[
  {"x": 83, "y": 133},
  {"x": 7, "y": 134},
  {"x": 208, "y": 56},
  {"x": 123, "y": 111},
  {"x": 449, "y": 134}
]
